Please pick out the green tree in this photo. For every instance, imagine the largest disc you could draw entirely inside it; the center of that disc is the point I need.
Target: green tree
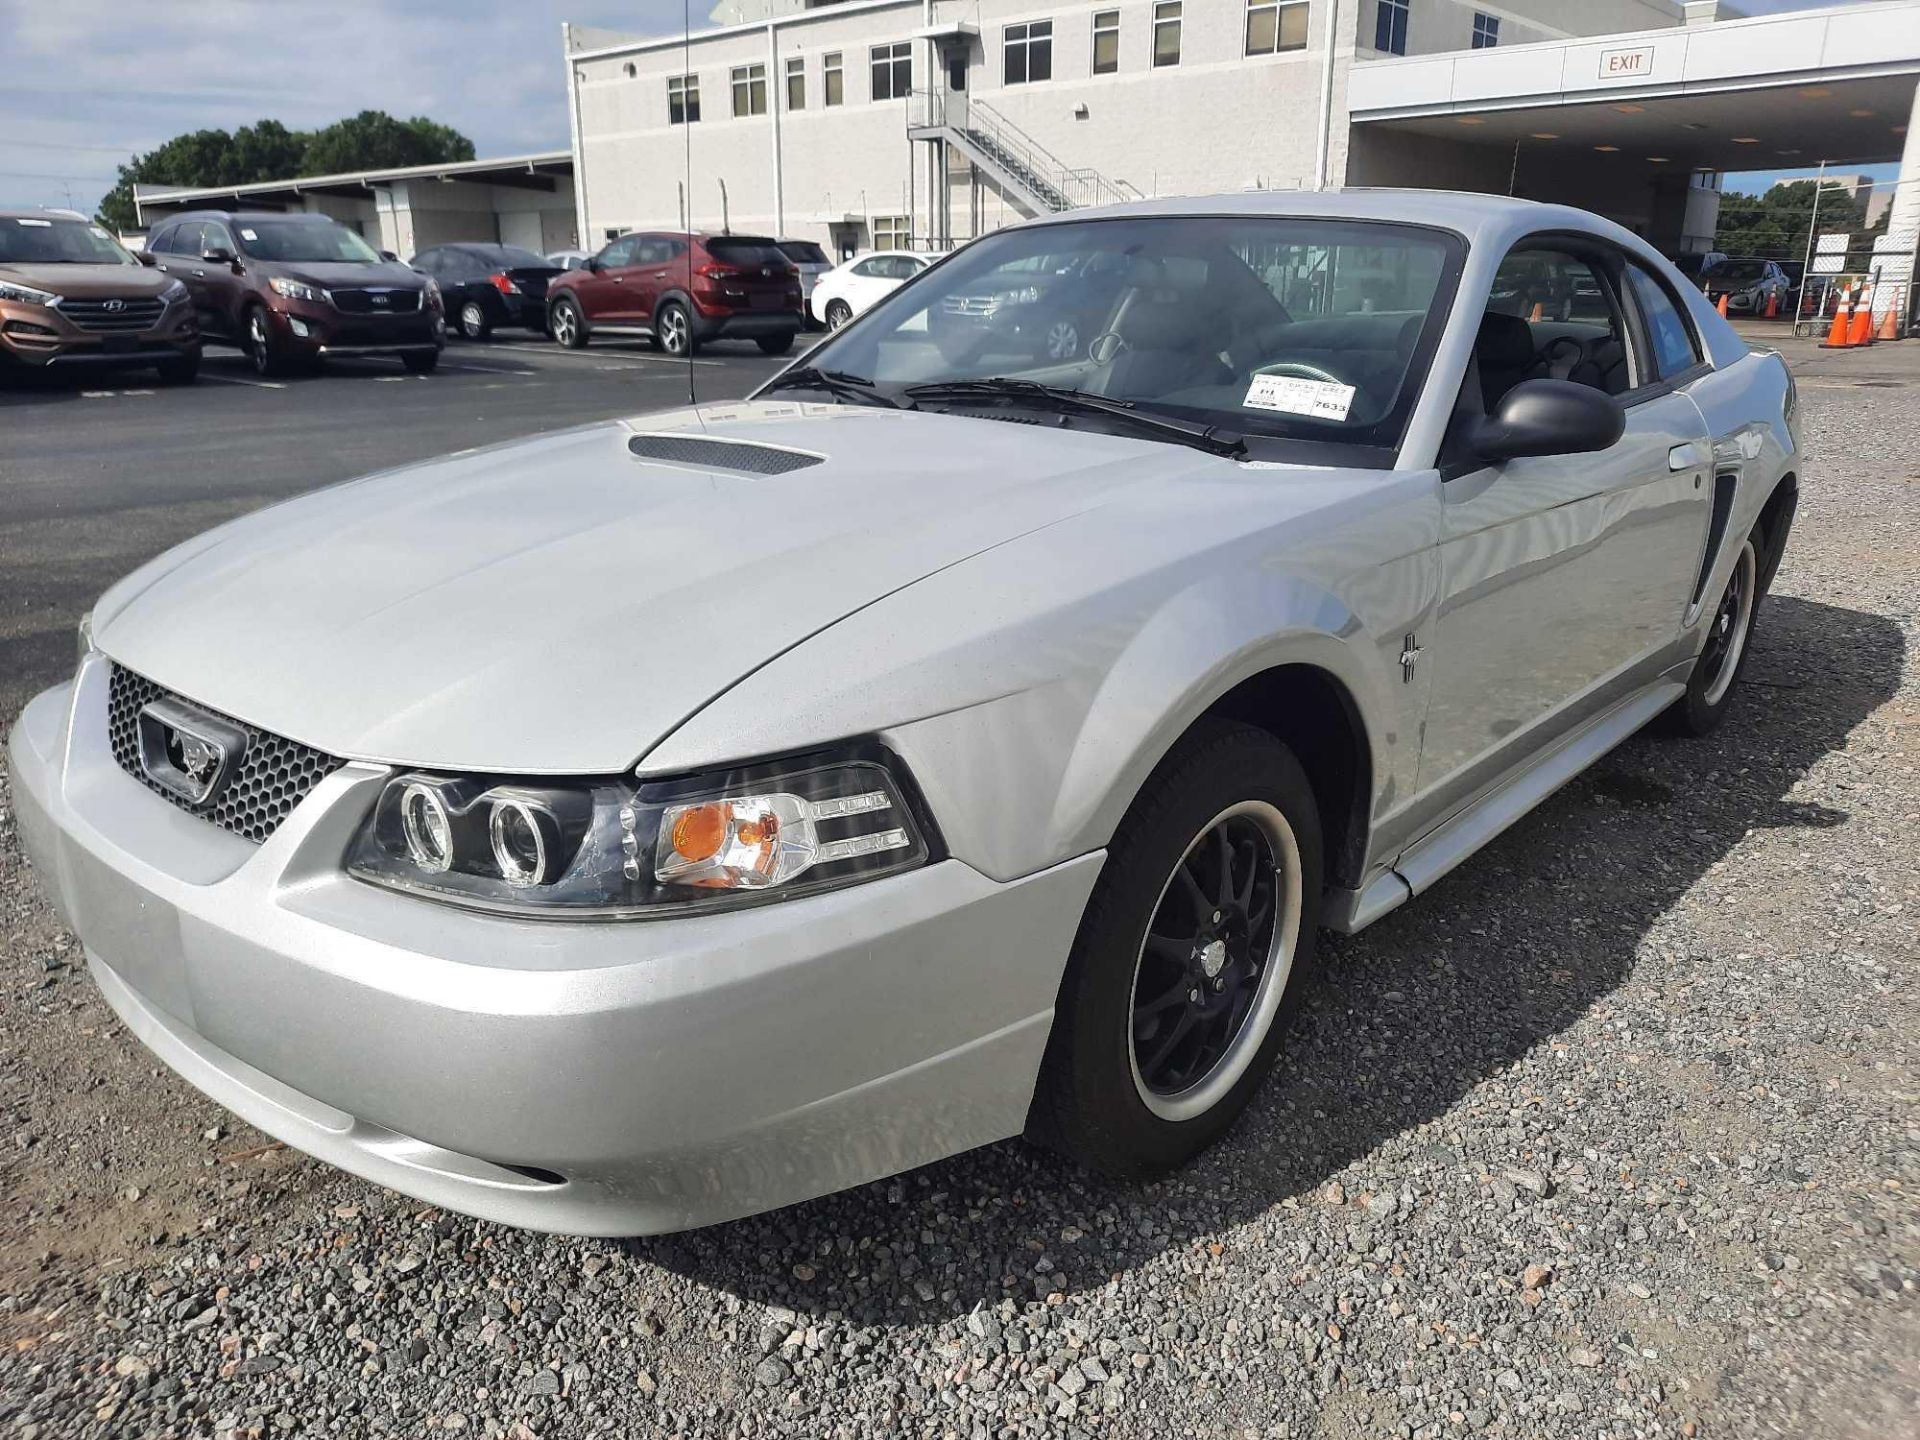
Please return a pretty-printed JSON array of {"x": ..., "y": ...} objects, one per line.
[
  {"x": 268, "y": 150},
  {"x": 373, "y": 139},
  {"x": 1775, "y": 225}
]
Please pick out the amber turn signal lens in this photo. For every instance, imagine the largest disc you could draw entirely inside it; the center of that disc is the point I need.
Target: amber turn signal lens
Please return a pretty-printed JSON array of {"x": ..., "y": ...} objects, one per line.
[
  {"x": 763, "y": 829},
  {"x": 700, "y": 831}
]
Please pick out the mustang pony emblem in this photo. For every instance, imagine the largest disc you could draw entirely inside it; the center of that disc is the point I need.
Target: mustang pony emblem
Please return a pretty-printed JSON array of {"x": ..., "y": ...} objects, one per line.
[{"x": 188, "y": 752}]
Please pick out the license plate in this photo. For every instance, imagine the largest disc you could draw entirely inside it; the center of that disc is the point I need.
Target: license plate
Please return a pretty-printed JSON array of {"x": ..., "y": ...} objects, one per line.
[
  {"x": 120, "y": 344},
  {"x": 764, "y": 301}
]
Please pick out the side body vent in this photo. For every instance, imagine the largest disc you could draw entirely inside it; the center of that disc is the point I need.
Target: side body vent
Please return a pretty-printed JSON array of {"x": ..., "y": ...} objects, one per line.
[
  {"x": 1724, "y": 485},
  {"x": 720, "y": 454}
]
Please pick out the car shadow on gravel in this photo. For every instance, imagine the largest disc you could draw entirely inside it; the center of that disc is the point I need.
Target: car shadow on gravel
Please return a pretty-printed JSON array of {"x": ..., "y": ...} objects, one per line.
[{"x": 1400, "y": 1024}]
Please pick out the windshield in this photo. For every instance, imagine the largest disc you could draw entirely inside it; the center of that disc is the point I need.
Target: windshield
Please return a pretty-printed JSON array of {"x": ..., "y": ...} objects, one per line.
[
  {"x": 299, "y": 240},
  {"x": 1299, "y": 329},
  {"x": 803, "y": 252},
  {"x": 33, "y": 240},
  {"x": 1736, "y": 270}
]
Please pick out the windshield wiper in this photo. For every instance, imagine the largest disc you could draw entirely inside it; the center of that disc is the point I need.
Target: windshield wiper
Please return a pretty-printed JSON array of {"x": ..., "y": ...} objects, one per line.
[
  {"x": 1210, "y": 438},
  {"x": 834, "y": 382}
]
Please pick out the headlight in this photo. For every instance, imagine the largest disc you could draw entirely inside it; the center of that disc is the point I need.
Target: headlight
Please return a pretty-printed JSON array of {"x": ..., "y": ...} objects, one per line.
[
  {"x": 25, "y": 294},
  {"x": 620, "y": 849},
  {"x": 174, "y": 293},
  {"x": 298, "y": 290}
]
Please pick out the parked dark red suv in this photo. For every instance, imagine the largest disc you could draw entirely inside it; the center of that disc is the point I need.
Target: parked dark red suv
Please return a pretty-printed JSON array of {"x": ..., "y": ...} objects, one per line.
[
  {"x": 682, "y": 290},
  {"x": 294, "y": 289}
]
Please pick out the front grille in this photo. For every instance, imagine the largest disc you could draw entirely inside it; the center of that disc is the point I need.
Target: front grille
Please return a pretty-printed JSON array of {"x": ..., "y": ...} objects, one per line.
[
  {"x": 274, "y": 774},
  {"x": 375, "y": 301},
  {"x": 122, "y": 317},
  {"x": 971, "y": 304}
]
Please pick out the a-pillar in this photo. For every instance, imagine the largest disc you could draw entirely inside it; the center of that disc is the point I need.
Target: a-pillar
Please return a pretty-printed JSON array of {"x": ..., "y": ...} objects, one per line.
[{"x": 1896, "y": 270}]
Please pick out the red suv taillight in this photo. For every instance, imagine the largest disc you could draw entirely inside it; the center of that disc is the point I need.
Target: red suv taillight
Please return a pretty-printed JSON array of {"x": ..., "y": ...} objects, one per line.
[{"x": 503, "y": 282}]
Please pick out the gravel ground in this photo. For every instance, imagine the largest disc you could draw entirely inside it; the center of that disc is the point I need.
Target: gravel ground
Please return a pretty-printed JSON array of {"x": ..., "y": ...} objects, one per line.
[{"x": 1614, "y": 1134}]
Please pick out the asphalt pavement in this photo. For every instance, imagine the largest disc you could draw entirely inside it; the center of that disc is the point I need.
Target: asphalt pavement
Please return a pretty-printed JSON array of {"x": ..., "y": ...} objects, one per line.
[{"x": 100, "y": 473}]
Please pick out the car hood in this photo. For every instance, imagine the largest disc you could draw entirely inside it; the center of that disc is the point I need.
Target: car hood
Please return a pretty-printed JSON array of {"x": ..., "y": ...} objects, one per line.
[
  {"x": 559, "y": 605},
  {"x": 349, "y": 274},
  {"x": 90, "y": 282}
]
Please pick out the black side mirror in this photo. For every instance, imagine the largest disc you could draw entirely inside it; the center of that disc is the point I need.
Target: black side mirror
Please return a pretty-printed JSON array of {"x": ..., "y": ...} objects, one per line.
[
  {"x": 1548, "y": 417},
  {"x": 592, "y": 262},
  {"x": 217, "y": 255},
  {"x": 146, "y": 257},
  {"x": 388, "y": 255}
]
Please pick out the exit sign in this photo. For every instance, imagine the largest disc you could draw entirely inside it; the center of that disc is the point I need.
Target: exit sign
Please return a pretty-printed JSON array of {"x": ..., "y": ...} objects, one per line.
[{"x": 1631, "y": 64}]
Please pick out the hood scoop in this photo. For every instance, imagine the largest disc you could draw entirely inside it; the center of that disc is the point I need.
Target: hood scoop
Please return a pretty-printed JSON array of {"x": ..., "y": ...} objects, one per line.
[{"x": 709, "y": 454}]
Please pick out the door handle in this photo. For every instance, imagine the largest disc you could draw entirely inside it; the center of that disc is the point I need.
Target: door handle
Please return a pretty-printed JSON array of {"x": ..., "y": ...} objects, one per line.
[
  {"x": 199, "y": 274},
  {"x": 659, "y": 274},
  {"x": 619, "y": 279},
  {"x": 1687, "y": 456}
]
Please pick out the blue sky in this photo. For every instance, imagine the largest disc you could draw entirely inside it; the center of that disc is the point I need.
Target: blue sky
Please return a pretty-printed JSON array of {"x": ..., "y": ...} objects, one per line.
[{"x": 90, "y": 82}]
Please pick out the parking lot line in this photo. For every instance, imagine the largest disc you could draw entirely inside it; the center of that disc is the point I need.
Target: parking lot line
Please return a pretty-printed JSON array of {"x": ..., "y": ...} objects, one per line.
[
  {"x": 487, "y": 369},
  {"x": 602, "y": 354},
  {"x": 241, "y": 380}
]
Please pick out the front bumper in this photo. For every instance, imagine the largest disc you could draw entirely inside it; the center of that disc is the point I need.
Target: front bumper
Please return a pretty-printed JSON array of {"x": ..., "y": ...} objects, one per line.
[
  {"x": 42, "y": 336},
  {"x": 323, "y": 330},
  {"x": 609, "y": 1078}
]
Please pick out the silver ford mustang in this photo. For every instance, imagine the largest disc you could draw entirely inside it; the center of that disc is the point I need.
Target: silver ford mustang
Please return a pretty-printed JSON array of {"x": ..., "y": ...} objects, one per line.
[{"x": 670, "y": 819}]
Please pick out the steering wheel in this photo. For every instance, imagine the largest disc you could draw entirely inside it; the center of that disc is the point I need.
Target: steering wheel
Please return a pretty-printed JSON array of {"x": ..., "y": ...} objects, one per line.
[
  {"x": 1566, "y": 353},
  {"x": 1300, "y": 370}
]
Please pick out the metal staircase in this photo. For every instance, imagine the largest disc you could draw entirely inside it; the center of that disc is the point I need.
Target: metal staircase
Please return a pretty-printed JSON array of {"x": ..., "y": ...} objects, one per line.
[{"x": 1036, "y": 180}]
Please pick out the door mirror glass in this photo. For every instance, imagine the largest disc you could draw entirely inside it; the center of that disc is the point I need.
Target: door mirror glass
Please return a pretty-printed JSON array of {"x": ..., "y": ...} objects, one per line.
[
  {"x": 1549, "y": 417},
  {"x": 217, "y": 255}
]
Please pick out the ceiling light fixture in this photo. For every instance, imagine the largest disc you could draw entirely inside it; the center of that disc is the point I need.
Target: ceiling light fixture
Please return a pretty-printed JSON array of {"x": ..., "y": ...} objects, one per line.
[
  {"x": 1608, "y": 149},
  {"x": 1468, "y": 120},
  {"x": 1657, "y": 159},
  {"x": 1544, "y": 135},
  {"x": 1631, "y": 109},
  {"x": 1816, "y": 92},
  {"x": 1862, "y": 114},
  {"x": 1746, "y": 139}
]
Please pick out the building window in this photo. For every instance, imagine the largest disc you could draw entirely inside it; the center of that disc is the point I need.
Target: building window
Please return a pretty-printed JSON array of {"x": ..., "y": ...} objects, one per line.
[
  {"x": 796, "y": 83},
  {"x": 1486, "y": 31},
  {"x": 892, "y": 70},
  {"x": 1390, "y": 26},
  {"x": 1029, "y": 51},
  {"x": 1273, "y": 26},
  {"x": 1166, "y": 33},
  {"x": 832, "y": 90},
  {"x": 891, "y": 232},
  {"x": 749, "y": 90},
  {"x": 683, "y": 99},
  {"x": 1106, "y": 42}
]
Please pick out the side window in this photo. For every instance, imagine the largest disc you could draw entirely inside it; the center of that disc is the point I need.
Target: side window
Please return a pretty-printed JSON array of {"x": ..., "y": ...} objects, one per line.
[
  {"x": 186, "y": 239},
  {"x": 1551, "y": 315},
  {"x": 160, "y": 242},
  {"x": 215, "y": 237},
  {"x": 620, "y": 252},
  {"x": 869, "y": 269},
  {"x": 1668, "y": 333}
]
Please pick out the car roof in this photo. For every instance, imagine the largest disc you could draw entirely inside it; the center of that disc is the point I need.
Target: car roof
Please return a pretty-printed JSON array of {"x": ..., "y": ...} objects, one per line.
[{"x": 251, "y": 216}]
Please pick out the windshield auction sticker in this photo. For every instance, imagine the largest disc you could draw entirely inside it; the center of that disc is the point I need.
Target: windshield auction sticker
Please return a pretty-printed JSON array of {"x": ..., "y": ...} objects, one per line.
[{"x": 1297, "y": 395}]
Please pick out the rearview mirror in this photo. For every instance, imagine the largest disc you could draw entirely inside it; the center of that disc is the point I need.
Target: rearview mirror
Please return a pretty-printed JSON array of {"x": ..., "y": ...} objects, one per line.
[{"x": 1548, "y": 417}]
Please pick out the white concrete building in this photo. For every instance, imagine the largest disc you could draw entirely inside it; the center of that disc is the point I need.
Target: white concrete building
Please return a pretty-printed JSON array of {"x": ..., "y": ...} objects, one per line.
[{"x": 880, "y": 122}]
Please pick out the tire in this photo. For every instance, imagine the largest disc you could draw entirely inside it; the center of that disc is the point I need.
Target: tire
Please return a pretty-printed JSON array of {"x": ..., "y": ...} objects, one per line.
[
  {"x": 1723, "y": 656},
  {"x": 1060, "y": 341},
  {"x": 673, "y": 330},
  {"x": 774, "y": 344},
  {"x": 838, "y": 314},
  {"x": 421, "y": 362},
  {"x": 1115, "y": 1092},
  {"x": 179, "y": 369},
  {"x": 567, "y": 325},
  {"x": 266, "y": 354},
  {"x": 473, "y": 322}
]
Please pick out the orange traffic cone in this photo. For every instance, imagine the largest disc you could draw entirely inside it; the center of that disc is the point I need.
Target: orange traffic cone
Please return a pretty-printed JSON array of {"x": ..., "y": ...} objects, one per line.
[
  {"x": 1837, "y": 334},
  {"x": 1773, "y": 305},
  {"x": 1890, "y": 322},
  {"x": 1722, "y": 307},
  {"x": 1861, "y": 330}
]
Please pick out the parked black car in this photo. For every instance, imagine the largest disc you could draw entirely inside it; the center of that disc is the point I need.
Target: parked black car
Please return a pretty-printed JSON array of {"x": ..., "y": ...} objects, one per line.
[{"x": 487, "y": 285}]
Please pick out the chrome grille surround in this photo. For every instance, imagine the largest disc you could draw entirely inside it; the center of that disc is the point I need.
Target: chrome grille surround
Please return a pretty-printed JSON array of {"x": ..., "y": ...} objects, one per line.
[
  {"x": 274, "y": 774},
  {"x": 122, "y": 317}
]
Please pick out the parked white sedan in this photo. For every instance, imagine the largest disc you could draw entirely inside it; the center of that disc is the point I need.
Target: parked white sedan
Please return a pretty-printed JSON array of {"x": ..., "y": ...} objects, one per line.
[
  {"x": 657, "y": 821},
  {"x": 862, "y": 283}
]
